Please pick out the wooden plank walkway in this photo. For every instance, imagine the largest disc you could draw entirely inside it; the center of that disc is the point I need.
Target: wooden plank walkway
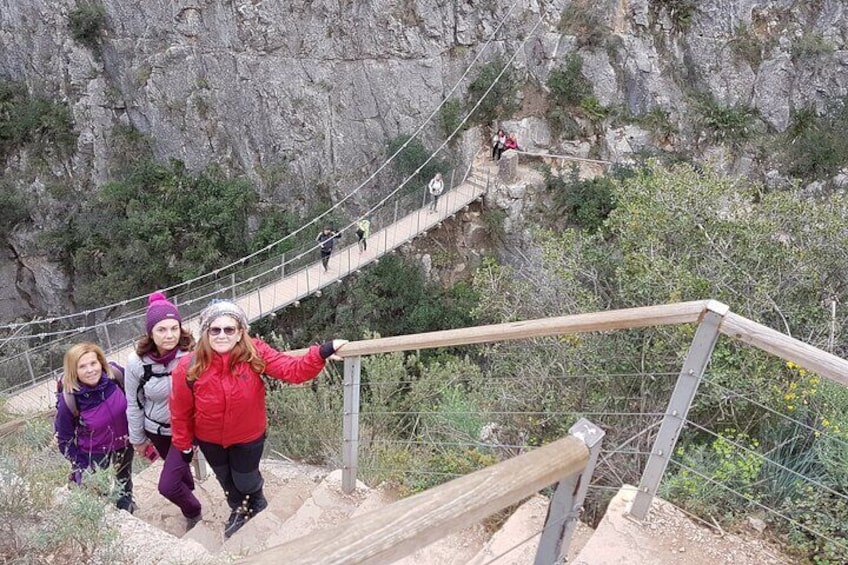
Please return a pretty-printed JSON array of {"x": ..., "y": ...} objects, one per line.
[{"x": 287, "y": 290}]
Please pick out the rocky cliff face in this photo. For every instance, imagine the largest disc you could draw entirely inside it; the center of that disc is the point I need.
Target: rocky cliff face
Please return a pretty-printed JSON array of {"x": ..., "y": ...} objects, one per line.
[{"x": 304, "y": 94}]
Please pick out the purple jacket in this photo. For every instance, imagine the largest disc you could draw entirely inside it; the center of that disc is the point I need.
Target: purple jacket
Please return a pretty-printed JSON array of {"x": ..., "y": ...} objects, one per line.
[{"x": 101, "y": 427}]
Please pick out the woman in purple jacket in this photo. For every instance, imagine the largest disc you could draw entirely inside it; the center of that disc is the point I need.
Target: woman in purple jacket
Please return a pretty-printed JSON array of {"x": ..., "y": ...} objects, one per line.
[{"x": 91, "y": 419}]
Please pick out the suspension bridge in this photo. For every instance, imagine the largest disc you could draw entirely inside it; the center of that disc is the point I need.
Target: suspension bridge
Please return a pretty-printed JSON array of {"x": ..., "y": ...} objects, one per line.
[{"x": 268, "y": 287}]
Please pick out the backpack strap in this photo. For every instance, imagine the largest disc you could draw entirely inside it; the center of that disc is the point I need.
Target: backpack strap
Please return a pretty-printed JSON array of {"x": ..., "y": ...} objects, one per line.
[
  {"x": 116, "y": 373},
  {"x": 70, "y": 400},
  {"x": 148, "y": 374}
]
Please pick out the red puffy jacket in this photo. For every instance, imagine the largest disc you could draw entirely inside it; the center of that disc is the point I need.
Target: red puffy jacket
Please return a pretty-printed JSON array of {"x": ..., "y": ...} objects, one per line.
[{"x": 228, "y": 406}]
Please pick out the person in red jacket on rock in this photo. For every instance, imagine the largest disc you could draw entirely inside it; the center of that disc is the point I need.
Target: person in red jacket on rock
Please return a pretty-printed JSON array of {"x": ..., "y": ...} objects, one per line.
[{"x": 218, "y": 402}]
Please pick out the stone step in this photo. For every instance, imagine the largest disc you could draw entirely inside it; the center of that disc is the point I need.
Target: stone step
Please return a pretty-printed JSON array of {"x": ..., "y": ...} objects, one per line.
[
  {"x": 326, "y": 506},
  {"x": 454, "y": 549},
  {"x": 516, "y": 542},
  {"x": 145, "y": 544},
  {"x": 666, "y": 536},
  {"x": 287, "y": 485}
]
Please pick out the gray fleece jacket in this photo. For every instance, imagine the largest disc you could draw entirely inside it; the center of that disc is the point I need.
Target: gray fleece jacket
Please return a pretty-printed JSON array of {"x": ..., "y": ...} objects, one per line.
[{"x": 153, "y": 415}]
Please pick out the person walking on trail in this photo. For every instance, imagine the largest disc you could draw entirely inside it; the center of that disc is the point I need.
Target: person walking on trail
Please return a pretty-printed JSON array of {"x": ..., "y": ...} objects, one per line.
[
  {"x": 218, "y": 401},
  {"x": 498, "y": 144},
  {"x": 327, "y": 239},
  {"x": 363, "y": 230},
  {"x": 91, "y": 419},
  {"x": 436, "y": 187},
  {"x": 148, "y": 382}
]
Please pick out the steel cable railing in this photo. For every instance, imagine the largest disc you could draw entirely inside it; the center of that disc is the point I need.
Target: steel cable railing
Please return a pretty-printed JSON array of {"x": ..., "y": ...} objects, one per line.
[{"x": 612, "y": 472}]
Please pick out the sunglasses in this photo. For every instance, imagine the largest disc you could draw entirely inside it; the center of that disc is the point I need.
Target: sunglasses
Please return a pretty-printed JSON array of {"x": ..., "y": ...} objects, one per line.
[{"x": 229, "y": 330}]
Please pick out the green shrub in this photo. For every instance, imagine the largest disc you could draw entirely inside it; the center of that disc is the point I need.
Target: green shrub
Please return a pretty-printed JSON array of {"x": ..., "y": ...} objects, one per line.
[
  {"x": 494, "y": 220},
  {"x": 816, "y": 510},
  {"x": 582, "y": 20},
  {"x": 811, "y": 45},
  {"x": 413, "y": 156},
  {"x": 593, "y": 109},
  {"x": 561, "y": 123},
  {"x": 13, "y": 207},
  {"x": 726, "y": 124},
  {"x": 817, "y": 146},
  {"x": 567, "y": 84},
  {"x": 87, "y": 22},
  {"x": 33, "y": 121},
  {"x": 451, "y": 115},
  {"x": 38, "y": 526},
  {"x": 585, "y": 202},
  {"x": 447, "y": 465},
  {"x": 680, "y": 12},
  {"x": 129, "y": 147},
  {"x": 657, "y": 121},
  {"x": 305, "y": 422},
  {"x": 155, "y": 227},
  {"x": 722, "y": 461},
  {"x": 500, "y": 102}
]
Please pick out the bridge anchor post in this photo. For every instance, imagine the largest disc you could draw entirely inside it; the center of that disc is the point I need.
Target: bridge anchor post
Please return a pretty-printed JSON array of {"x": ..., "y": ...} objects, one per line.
[{"x": 567, "y": 502}]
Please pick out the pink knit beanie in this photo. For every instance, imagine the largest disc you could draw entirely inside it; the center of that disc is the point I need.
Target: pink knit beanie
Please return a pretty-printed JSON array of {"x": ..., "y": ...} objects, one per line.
[{"x": 160, "y": 308}]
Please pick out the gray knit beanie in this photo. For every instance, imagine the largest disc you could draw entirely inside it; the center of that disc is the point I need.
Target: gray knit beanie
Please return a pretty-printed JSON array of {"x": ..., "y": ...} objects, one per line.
[{"x": 219, "y": 308}]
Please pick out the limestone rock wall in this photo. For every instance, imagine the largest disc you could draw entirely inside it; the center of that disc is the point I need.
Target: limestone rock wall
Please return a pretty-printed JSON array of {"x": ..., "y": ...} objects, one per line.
[{"x": 305, "y": 93}]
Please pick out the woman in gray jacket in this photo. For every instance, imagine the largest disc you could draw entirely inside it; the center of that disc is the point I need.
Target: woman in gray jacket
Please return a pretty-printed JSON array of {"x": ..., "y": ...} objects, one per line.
[{"x": 148, "y": 388}]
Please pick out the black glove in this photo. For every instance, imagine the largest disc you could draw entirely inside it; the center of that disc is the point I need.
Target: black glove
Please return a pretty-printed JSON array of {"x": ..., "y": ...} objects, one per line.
[
  {"x": 187, "y": 455},
  {"x": 326, "y": 349}
]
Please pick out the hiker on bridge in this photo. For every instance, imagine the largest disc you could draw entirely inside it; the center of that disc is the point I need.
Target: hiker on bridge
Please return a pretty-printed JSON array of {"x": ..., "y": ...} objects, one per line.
[
  {"x": 148, "y": 385},
  {"x": 363, "y": 230},
  {"x": 326, "y": 239},
  {"x": 436, "y": 188},
  {"x": 218, "y": 400},
  {"x": 91, "y": 419}
]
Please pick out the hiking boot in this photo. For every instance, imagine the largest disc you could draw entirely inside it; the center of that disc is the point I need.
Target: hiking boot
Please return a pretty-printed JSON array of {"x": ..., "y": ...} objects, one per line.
[
  {"x": 237, "y": 519},
  {"x": 193, "y": 521},
  {"x": 257, "y": 503}
]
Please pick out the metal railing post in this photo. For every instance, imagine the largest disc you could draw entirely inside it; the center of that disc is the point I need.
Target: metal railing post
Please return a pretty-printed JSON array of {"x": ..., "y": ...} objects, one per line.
[
  {"x": 29, "y": 366},
  {"x": 567, "y": 502},
  {"x": 678, "y": 409},
  {"x": 108, "y": 337},
  {"x": 283, "y": 265},
  {"x": 350, "y": 447},
  {"x": 199, "y": 465},
  {"x": 233, "y": 286}
]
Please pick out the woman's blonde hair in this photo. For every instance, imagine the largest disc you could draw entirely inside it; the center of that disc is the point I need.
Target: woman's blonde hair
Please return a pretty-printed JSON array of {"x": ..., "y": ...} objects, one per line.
[
  {"x": 243, "y": 352},
  {"x": 70, "y": 380}
]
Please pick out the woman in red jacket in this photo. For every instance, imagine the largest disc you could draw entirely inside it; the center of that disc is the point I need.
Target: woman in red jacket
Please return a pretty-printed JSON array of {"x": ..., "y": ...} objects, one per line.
[{"x": 218, "y": 402}]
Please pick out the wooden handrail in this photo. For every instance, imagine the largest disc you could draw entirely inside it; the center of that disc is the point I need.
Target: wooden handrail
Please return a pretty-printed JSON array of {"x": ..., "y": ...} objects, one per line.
[
  {"x": 390, "y": 533},
  {"x": 788, "y": 348},
  {"x": 628, "y": 318}
]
